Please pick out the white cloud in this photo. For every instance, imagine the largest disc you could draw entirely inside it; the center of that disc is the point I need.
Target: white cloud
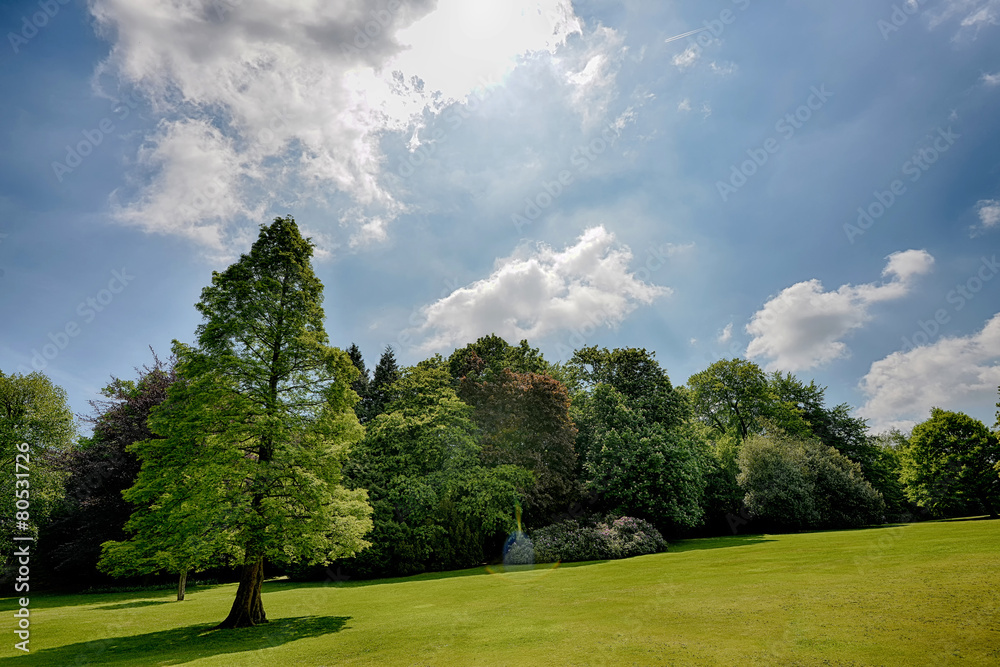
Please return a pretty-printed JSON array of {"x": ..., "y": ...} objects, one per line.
[
  {"x": 990, "y": 79},
  {"x": 539, "y": 291},
  {"x": 593, "y": 73},
  {"x": 803, "y": 325},
  {"x": 725, "y": 69},
  {"x": 725, "y": 334},
  {"x": 989, "y": 216},
  {"x": 199, "y": 183},
  {"x": 687, "y": 58},
  {"x": 953, "y": 373},
  {"x": 288, "y": 101},
  {"x": 685, "y": 105},
  {"x": 971, "y": 15}
]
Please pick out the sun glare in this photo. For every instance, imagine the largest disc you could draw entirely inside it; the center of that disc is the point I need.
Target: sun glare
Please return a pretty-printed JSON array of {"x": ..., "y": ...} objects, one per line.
[{"x": 465, "y": 45}]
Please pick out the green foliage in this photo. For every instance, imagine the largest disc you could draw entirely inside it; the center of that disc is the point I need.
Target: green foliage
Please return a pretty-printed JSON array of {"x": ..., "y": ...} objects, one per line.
[
  {"x": 435, "y": 503},
  {"x": 642, "y": 457},
  {"x": 948, "y": 465},
  {"x": 843, "y": 497},
  {"x": 793, "y": 484},
  {"x": 378, "y": 393},
  {"x": 723, "y": 495},
  {"x": 732, "y": 396},
  {"x": 523, "y": 419},
  {"x": 884, "y": 470},
  {"x": 32, "y": 411},
  {"x": 93, "y": 510},
  {"x": 255, "y": 431},
  {"x": 360, "y": 385},
  {"x": 610, "y": 538},
  {"x": 484, "y": 360},
  {"x": 775, "y": 476}
]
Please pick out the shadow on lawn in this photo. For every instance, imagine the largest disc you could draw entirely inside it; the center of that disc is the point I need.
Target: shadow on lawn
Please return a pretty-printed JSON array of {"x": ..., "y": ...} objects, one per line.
[
  {"x": 484, "y": 571},
  {"x": 56, "y": 599},
  {"x": 135, "y": 605},
  {"x": 700, "y": 543},
  {"x": 174, "y": 647}
]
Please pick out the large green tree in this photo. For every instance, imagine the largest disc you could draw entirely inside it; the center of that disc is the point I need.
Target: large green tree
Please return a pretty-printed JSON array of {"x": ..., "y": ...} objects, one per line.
[
  {"x": 436, "y": 505},
  {"x": 524, "y": 421},
  {"x": 732, "y": 396},
  {"x": 949, "y": 465},
  {"x": 484, "y": 360},
  {"x": 642, "y": 456},
  {"x": 32, "y": 411},
  {"x": 255, "y": 431}
]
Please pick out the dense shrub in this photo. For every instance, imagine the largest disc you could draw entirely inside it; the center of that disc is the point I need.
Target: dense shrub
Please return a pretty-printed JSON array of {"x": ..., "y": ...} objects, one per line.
[
  {"x": 797, "y": 484},
  {"x": 572, "y": 540},
  {"x": 518, "y": 550}
]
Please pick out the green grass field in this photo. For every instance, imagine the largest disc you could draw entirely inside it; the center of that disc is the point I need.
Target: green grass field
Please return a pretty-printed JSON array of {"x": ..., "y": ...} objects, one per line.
[{"x": 921, "y": 594}]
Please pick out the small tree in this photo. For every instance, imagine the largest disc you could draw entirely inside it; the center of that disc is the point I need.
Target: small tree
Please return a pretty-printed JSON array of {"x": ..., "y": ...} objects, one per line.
[
  {"x": 378, "y": 393},
  {"x": 796, "y": 483},
  {"x": 524, "y": 421}
]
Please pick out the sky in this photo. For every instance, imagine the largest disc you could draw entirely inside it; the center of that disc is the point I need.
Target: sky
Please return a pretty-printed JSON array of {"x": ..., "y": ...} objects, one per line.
[{"x": 811, "y": 186}]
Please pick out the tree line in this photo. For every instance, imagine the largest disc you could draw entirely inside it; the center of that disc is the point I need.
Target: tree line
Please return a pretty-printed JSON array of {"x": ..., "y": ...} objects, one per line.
[{"x": 262, "y": 449}]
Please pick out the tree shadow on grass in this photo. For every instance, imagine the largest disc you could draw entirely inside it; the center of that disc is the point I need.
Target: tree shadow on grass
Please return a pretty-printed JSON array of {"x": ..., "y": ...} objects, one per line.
[
  {"x": 701, "y": 543},
  {"x": 181, "y": 645},
  {"x": 135, "y": 605},
  {"x": 56, "y": 599},
  {"x": 344, "y": 581}
]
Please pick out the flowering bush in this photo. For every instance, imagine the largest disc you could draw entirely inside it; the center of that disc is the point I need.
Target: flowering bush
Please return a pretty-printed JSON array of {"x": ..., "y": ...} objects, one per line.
[
  {"x": 621, "y": 537},
  {"x": 518, "y": 550}
]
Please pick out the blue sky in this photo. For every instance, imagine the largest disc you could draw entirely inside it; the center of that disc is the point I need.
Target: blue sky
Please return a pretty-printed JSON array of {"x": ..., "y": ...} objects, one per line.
[{"x": 813, "y": 186}]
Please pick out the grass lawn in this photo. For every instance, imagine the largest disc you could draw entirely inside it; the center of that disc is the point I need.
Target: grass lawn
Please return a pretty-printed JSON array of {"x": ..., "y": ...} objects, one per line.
[{"x": 920, "y": 594}]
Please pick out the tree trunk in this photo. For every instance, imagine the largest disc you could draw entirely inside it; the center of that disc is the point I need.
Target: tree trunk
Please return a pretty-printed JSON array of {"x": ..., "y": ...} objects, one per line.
[
  {"x": 182, "y": 585},
  {"x": 248, "y": 609}
]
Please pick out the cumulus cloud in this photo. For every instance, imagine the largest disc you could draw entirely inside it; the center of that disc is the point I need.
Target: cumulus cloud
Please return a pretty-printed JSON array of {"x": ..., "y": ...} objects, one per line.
[
  {"x": 991, "y": 79},
  {"x": 199, "y": 180},
  {"x": 289, "y": 100},
  {"x": 957, "y": 372},
  {"x": 803, "y": 326},
  {"x": 989, "y": 216},
  {"x": 539, "y": 291},
  {"x": 725, "y": 334}
]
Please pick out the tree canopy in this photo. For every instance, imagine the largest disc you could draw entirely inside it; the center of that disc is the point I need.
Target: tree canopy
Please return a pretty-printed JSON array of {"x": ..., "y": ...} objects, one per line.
[
  {"x": 255, "y": 431},
  {"x": 32, "y": 411},
  {"x": 948, "y": 465},
  {"x": 436, "y": 504}
]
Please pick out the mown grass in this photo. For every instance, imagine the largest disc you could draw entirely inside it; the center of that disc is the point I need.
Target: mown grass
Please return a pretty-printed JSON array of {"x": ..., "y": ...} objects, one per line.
[{"x": 921, "y": 594}]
